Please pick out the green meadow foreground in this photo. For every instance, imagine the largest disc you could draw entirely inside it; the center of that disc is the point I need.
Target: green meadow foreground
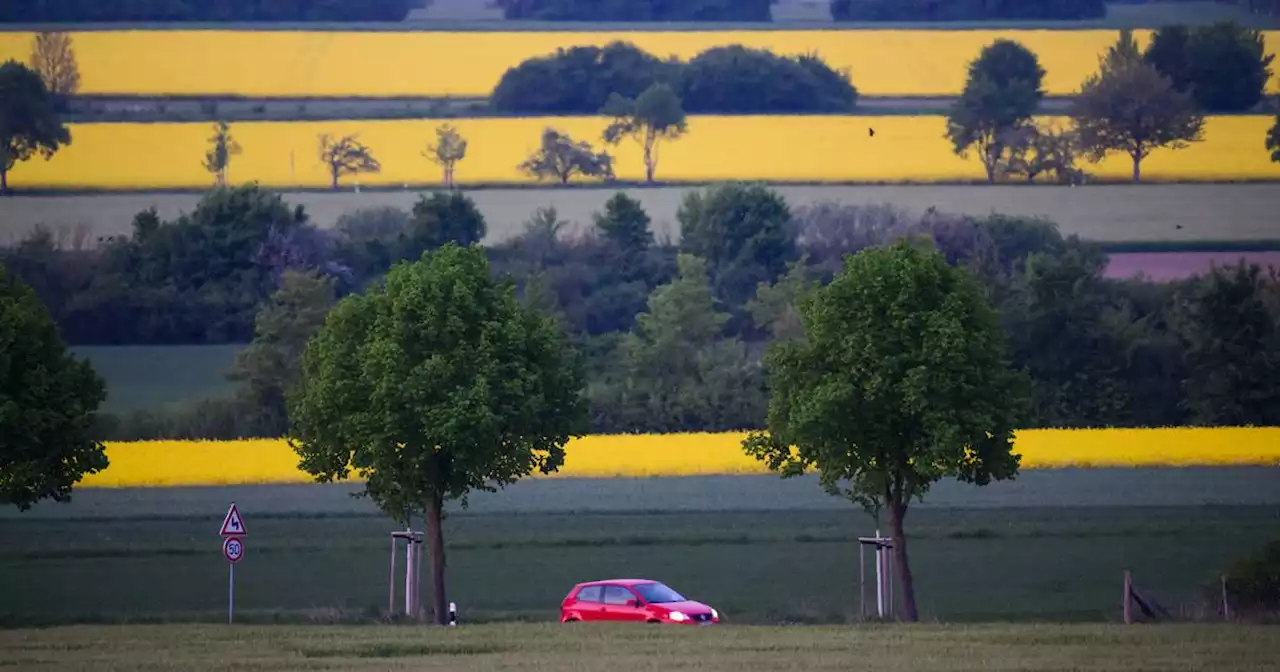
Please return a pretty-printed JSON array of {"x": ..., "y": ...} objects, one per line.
[
  {"x": 1050, "y": 546},
  {"x": 638, "y": 647}
]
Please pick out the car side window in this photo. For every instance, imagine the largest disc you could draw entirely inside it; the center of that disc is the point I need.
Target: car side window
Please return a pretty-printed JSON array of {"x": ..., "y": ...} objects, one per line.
[
  {"x": 617, "y": 595},
  {"x": 590, "y": 594}
]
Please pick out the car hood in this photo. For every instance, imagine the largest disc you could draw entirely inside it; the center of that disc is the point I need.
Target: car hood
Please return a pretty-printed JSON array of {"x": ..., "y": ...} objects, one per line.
[{"x": 688, "y": 606}]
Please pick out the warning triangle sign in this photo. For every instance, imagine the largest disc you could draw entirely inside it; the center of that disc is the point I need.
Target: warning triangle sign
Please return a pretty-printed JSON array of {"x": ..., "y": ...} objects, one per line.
[{"x": 233, "y": 524}]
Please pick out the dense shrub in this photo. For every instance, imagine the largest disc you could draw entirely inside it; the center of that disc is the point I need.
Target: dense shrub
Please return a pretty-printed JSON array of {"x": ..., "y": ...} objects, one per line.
[
  {"x": 738, "y": 79},
  {"x": 965, "y": 10},
  {"x": 1253, "y": 581},
  {"x": 729, "y": 79},
  {"x": 580, "y": 79},
  {"x": 638, "y": 10},
  {"x": 90, "y": 11}
]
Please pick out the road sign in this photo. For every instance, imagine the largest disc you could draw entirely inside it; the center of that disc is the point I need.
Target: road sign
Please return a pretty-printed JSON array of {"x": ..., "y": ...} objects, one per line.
[
  {"x": 233, "y": 549},
  {"x": 233, "y": 524}
]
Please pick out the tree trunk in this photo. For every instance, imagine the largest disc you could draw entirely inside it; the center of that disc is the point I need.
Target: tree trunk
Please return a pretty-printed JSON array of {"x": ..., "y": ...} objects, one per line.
[
  {"x": 435, "y": 541},
  {"x": 906, "y": 585},
  {"x": 334, "y": 174},
  {"x": 648, "y": 163},
  {"x": 4, "y": 182},
  {"x": 1137, "y": 168}
]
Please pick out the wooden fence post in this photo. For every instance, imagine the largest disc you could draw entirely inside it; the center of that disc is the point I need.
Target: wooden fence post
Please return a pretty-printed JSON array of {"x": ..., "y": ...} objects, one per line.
[{"x": 1128, "y": 587}]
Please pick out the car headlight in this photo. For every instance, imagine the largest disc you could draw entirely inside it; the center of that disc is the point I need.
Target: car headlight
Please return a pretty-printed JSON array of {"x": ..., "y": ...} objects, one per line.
[
  {"x": 678, "y": 616},
  {"x": 715, "y": 614}
]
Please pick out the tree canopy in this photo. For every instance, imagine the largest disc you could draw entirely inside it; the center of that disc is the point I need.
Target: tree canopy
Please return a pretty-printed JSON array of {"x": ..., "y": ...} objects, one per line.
[
  {"x": 1128, "y": 106},
  {"x": 902, "y": 378},
  {"x": 29, "y": 122},
  {"x": 48, "y": 402},
  {"x": 433, "y": 385},
  {"x": 1001, "y": 93}
]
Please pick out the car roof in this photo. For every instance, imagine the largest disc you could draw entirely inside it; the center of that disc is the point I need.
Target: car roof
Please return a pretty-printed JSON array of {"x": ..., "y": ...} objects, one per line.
[{"x": 621, "y": 582}]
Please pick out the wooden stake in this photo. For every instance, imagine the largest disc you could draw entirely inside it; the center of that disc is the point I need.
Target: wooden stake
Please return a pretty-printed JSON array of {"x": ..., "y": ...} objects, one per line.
[
  {"x": 1128, "y": 587},
  {"x": 1226, "y": 605}
]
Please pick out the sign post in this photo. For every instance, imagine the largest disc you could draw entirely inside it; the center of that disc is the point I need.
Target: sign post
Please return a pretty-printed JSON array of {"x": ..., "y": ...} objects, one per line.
[{"x": 233, "y": 550}]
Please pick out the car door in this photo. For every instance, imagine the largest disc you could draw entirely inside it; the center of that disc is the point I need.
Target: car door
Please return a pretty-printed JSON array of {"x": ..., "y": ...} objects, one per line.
[
  {"x": 590, "y": 603},
  {"x": 622, "y": 604}
]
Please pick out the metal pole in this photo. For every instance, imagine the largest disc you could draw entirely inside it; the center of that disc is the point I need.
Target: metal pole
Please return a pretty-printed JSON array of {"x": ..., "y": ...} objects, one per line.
[
  {"x": 231, "y": 590},
  {"x": 408, "y": 577},
  {"x": 391, "y": 600}
]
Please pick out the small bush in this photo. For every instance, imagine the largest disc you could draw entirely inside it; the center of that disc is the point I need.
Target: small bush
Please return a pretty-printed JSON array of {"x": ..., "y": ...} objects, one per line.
[
  {"x": 966, "y": 10},
  {"x": 1253, "y": 582}
]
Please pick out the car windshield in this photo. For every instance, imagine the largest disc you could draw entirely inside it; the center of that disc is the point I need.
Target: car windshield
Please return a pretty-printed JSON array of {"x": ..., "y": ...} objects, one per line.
[{"x": 657, "y": 593}]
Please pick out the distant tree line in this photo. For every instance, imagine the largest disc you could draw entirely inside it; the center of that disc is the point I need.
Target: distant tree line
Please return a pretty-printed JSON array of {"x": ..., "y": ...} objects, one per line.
[
  {"x": 92, "y": 11},
  {"x": 671, "y": 332},
  {"x": 637, "y": 10},
  {"x": 966, "y": 10},
  {"x": 730, "y": 79}
]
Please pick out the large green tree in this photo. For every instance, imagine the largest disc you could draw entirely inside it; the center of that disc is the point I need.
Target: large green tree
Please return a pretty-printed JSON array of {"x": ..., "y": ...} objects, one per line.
[
  {"x": 270, "y": 365},
  {"x": 902, "y": 378},
  {"x": 681, "y": 373},
  {"x": 435, "y": 384},
  {"x": 29, "y": 122},
  {"x": 1001, "y": 93},
  {"x": 48, "y": 400},
  {"x": 1229, "y": 323},
  {"x": 1130, "y": 107}
]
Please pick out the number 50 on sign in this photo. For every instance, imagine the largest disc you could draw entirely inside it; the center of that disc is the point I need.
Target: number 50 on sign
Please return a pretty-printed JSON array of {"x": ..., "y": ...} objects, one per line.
[{"x": 233, "y": 549}]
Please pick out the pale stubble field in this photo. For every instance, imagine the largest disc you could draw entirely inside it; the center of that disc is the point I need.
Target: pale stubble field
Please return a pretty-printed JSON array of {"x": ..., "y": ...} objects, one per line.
[{"x": 1155, "y": 212}]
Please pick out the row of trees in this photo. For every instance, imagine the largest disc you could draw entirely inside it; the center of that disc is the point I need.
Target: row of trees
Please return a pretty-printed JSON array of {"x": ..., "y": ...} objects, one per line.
[
  {"x": 1129, "y": 106},
  {"x": 94, "y": 11},
  {"x": 966, "y": 10},
  {"x": 761, "y": 10},
  {"x": 439, "y": 381},
  {"x": 671, "y": 343},
  {"x": 637, "y": 10}
]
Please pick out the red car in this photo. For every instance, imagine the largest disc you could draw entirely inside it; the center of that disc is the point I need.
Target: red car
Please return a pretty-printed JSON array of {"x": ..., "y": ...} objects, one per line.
[{"x": 637, "y": 600}]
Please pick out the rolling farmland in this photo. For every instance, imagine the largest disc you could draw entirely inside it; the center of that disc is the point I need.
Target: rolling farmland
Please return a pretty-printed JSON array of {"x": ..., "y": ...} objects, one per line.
[
  {"x": 318, "y": 64},
  {"x": 777, "y": 149}
]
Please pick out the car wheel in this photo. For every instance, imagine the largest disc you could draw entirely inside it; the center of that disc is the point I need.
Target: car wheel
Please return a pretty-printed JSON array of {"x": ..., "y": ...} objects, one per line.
[{"x": 653, "y": 620}]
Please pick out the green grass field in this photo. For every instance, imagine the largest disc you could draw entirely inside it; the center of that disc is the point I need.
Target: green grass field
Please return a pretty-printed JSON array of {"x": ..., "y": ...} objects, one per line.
[
  {"x": 1101, "y": 212},
  {"x": 1048, "y": 547},
  {"x": 644, "y": 649},
  {"x": 142, "y": 377}
]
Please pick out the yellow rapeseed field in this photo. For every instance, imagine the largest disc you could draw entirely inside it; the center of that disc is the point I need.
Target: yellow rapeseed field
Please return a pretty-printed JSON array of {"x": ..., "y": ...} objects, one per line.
[
  {"x": 389, "y": 64},
  {"x": 779, "y": 148},
  {"x": 180, "y": 463}
]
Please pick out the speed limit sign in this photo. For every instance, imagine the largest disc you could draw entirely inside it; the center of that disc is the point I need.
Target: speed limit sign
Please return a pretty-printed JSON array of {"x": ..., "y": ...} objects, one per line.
[{"x": 233, "y": 549}]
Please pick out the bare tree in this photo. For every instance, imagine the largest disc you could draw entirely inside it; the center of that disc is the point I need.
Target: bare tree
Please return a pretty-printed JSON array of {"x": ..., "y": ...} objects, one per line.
[
  {"x": 54, "y": 57},
  {"x": 560, "y": 157},
  {"x": 450, "y": 148},
  {"x": 655, "y": 115},
  {"x": 221, "y": 148},
  {"x": 346, "y": 156},
  {"x": 1036, "y": 150}
]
